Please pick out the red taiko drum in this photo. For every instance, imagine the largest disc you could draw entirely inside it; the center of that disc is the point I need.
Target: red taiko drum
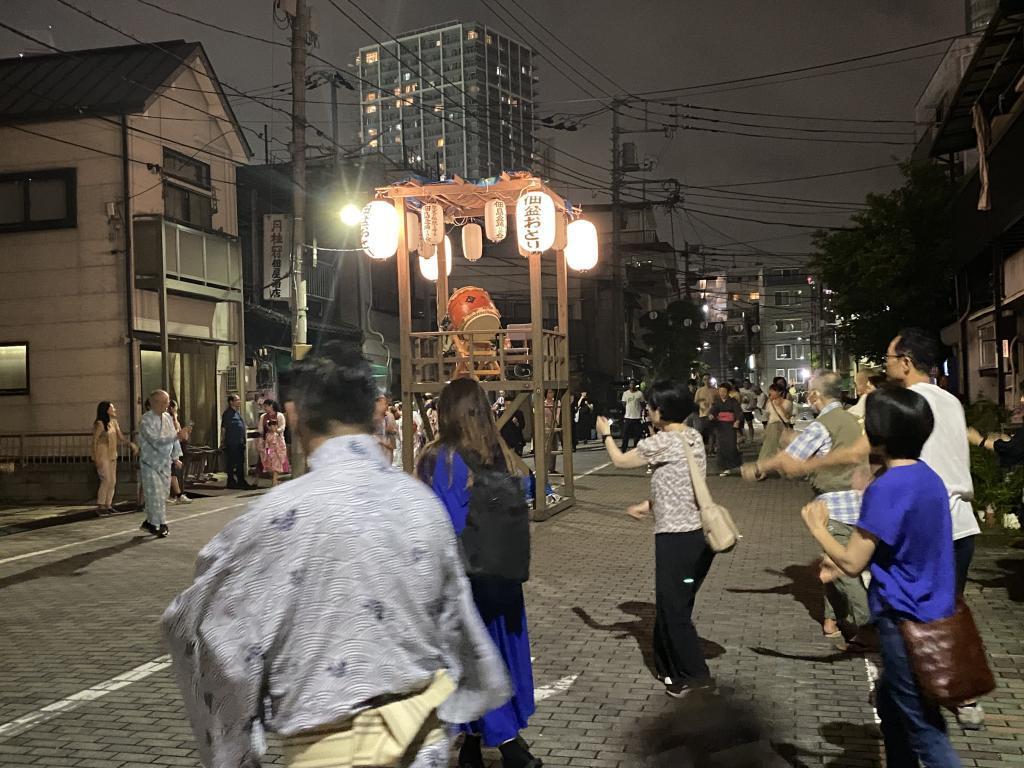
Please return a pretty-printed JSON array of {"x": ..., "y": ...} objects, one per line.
[{"x": 471, "y": 309}]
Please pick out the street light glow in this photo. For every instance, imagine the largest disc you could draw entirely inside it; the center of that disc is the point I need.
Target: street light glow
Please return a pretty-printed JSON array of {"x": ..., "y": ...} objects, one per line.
[{"x": 351, "y": 215}]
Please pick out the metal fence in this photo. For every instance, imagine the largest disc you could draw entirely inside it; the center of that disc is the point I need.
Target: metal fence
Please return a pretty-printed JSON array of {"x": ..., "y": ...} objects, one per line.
[{"x": 49, "y": 448}]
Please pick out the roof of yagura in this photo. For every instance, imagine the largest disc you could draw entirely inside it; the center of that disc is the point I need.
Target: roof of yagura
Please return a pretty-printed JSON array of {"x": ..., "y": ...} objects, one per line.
[{"x": 122, "y": 80}]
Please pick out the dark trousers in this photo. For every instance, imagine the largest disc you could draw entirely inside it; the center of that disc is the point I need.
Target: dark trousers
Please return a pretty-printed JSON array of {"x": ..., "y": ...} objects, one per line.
[
  {"x": 633, "y": 430},
  {"x": 681, "y": 561},
  {"x": 235, "y": 456},
  {"x": 913, "y": 728},
  {"x": 963, "y": 552}
]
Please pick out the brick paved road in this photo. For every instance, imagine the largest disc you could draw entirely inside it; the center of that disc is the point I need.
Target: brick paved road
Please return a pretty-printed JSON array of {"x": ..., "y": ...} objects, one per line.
[{"x": 81, "y": 602}]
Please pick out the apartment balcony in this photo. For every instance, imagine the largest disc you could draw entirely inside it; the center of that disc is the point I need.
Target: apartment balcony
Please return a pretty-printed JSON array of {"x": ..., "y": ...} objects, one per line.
[{"x": 191, "y": 261}]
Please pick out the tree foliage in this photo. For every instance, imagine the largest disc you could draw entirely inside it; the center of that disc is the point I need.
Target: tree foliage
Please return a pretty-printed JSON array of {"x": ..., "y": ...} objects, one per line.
[
  {"x": 672, "y": 342},
  {"x": 894, "y": 266}
]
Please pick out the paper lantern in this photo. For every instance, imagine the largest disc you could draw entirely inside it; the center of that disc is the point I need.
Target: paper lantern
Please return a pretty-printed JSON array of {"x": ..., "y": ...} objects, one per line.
[
  {"x": 432, "y": 223},
  {"x": 496, "y": 220},
  {"x": 472, "y": 242},
  {"x": 428, "y": 267},
  {"x": 535, "y": 222},
  {"x": 379, "y": 230},
  {"x": 561, "y": 225},
  {"x": 581, "y": 245},
  {"x": 412, "y": 231}
]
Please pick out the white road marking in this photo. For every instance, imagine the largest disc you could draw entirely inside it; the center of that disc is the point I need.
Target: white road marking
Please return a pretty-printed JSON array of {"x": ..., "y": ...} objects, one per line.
[
  {"x": 872, "y": 669},
  {"x": 592, "y": 471},
  {"x": 76, "y": 700},
  {"x": 559, "y": 686},
  {"x": 15, "y": 558}
]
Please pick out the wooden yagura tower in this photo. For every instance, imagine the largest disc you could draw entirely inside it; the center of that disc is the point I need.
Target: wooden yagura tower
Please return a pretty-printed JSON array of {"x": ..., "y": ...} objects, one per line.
[{"x": 524, "y": 368}]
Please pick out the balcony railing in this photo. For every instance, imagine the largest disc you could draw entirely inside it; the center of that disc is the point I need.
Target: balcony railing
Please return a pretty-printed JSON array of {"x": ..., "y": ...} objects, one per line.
[
  {"x": 320, "y": 280},
  {"x": 207, "y": 263}
]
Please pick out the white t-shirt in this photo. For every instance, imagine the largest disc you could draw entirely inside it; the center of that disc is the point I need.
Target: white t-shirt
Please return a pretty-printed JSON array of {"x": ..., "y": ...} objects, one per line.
[
  {"x": 948, "y": 453},
  {"x": 632, "y": 401}
]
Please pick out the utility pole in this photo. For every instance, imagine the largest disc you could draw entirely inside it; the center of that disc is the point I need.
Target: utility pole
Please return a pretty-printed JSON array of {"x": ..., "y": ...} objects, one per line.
[
  {"x": 618, "y": 311},
  {"x": 300, "y": 31},
  {"x": 335, "y": 132}
]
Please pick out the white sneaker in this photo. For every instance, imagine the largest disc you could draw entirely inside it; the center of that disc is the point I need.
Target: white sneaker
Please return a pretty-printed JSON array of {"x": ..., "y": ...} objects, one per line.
[
  {"x": 971, "y": 717},
  {"x": 183, "y": 499}
]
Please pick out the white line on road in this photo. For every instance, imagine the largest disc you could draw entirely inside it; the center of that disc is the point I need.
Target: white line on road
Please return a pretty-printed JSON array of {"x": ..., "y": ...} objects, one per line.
[
  {"x": 76, "y": 700},
  {"x": 592, "y": 471},
  {"x": 15, "y": 558},
  {"x": 559, "y": 686}
]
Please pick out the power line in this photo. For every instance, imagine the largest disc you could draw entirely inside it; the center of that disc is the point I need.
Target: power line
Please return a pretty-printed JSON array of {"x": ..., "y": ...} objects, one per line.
[
  {"x": 805, "y": 178},
  {"x": 823, "y": 118},
  {"x": 781, "y": 73}
]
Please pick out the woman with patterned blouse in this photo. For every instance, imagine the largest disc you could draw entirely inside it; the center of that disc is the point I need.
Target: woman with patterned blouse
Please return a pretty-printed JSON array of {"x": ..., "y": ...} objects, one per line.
[{"x": 681, "y": 555}]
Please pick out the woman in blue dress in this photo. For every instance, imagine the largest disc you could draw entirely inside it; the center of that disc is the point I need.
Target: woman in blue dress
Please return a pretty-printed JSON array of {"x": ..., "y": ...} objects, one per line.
[{"x": 466, "y": 430}]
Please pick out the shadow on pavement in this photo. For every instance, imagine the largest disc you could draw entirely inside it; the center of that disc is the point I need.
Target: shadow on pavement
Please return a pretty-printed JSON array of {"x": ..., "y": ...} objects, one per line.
[
  {"x": 1012, "y": 578},
  {"x": 804, "y": 587},
  {"x": 707, "y": 730},
  {"x": 71, "y": 566},
  {"x": 861, "y": 744},
  {"x": 642, "y": 631},
  {"x": 830, "y": 658}
]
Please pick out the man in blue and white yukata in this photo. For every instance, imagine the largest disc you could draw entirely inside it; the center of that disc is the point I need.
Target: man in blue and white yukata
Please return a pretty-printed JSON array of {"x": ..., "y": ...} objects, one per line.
[
  {"x": 159, "y": 447},
  {"x": 335, "y": 612}
]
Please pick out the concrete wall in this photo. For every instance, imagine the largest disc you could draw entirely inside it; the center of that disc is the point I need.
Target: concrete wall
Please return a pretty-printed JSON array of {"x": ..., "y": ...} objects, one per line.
[{"x": 64, "y": 483}]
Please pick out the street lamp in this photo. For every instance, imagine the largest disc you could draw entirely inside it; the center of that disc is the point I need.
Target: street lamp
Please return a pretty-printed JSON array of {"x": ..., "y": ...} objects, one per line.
[{"x": 351, "y": 214}]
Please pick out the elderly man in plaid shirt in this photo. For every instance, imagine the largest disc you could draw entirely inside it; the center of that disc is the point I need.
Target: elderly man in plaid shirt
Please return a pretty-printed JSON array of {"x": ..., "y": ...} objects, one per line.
[{"x": 845, "y": 597}]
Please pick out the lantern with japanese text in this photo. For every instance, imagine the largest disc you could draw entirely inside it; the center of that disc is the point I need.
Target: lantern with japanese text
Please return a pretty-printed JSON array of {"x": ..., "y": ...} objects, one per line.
[
  {"x": 535, "y": 222},
  {"x": 432, "y": 223},
  {"x": 581, "y": 245},
  {"x": 472, "y": 242},
  {"x": 412, "y": 231},
  {"x": 496, "y": 220},
  {"x": 379, "y": 230},
  {"x": 429, "y": 268}
]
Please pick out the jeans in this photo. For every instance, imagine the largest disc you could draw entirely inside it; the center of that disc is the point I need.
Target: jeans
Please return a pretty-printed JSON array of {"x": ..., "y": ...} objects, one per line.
[
  {"x": 912, "y": 727},
  {"x": 681, "y": 561}
]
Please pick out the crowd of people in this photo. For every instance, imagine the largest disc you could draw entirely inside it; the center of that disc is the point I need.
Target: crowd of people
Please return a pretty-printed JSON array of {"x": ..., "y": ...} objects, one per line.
[{"x": 362, "y": 578}]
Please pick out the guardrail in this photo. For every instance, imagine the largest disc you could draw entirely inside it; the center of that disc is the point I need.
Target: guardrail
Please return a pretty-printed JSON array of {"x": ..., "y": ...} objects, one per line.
[{"x": 46, "y": 448}]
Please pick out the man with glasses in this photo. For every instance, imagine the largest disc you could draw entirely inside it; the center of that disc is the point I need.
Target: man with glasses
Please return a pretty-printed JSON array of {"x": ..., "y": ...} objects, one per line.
[{"x": 910, "y": 360}]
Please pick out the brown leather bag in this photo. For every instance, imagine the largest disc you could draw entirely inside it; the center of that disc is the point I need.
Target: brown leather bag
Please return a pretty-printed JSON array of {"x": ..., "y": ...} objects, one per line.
[{"x": 948, "y": 657}]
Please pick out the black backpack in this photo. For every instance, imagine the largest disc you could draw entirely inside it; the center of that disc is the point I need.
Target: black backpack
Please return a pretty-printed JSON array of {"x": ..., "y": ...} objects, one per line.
[{"x": 496, "y": 539}]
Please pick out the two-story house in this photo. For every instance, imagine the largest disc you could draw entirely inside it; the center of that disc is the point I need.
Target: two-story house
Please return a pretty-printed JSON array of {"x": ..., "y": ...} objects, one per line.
[{"x": 120, "y": 270}]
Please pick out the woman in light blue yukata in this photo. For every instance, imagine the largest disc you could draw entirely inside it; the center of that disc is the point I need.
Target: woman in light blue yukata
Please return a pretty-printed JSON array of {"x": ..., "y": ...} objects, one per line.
[{"x": 467, "y": 435}]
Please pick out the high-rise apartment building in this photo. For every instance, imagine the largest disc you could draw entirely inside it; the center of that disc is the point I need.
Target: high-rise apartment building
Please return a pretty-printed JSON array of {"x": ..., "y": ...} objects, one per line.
[{"x": 454, "y": 98}]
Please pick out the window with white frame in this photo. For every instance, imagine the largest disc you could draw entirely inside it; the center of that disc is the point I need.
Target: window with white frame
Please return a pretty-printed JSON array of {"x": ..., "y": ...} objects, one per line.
[
  {"x": 783, "y": 298},
  {"x": 783, "y": 351}
]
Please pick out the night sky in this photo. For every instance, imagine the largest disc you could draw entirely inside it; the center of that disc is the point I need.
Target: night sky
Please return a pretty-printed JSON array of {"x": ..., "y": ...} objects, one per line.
[{"x": 643, "y": 45}]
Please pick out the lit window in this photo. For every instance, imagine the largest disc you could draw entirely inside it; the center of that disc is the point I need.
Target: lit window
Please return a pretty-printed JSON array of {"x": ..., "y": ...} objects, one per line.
[
  {"x": 14, "y": 369},
  {"x": 371, "y": 109},
  {"x": 440, "y": 142},
  {"x": 524, "y": 70},
  {"x": 441, "y": 167},
  {"x": 372, "y": 132},
  {"x": 755, "y": 296},
  {"x": 438, "y": 108},
  {"x": 410, "y": 88},
  {"x": 398, "y": 91},
  {"x": 371, "y": 96},
  {"x": 372, "y": 57},
  {"x": 488, "y": 39},
  {"x": 437, "y": 43},
  {"x": 406, "y": 76},
  {"x": 398, "y": 139},
  {"x": 472, "y": 34},
  {"x": 373, "y": 144},
  {"x": 497, "y": 70}
]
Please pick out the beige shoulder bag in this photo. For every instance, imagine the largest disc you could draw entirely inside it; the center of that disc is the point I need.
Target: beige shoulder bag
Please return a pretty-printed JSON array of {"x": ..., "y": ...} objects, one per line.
[{"x": 720, "y": 531}]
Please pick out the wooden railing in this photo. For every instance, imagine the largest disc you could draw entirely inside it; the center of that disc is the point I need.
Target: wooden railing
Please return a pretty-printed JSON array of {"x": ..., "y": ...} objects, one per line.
[{"x": 439, "y": 357}]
